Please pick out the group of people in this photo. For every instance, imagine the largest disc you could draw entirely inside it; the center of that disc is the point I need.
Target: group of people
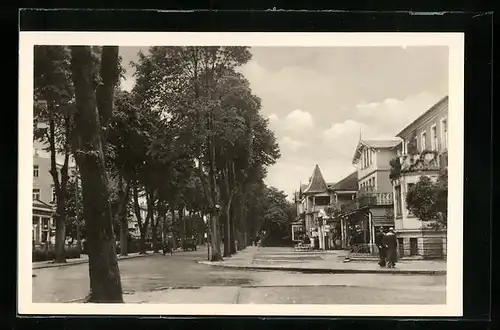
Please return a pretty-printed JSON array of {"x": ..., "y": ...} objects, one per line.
[{"x": 387, "y": 244}]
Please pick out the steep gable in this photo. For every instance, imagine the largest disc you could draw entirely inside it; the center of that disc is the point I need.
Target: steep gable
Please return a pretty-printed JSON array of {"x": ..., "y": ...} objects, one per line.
[{"x": 317, "y": 184}]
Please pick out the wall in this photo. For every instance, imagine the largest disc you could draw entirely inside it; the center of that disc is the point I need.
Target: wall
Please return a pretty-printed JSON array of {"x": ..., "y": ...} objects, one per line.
[
  {"x": 425, "y": 123},
  {"x": 384, "y": 156},
  {"x": 44, "y": 180},
  {"x": 378, "y": 171},
  {"x": 364, "y": 171},
  {"x": 384, "y": 184}
]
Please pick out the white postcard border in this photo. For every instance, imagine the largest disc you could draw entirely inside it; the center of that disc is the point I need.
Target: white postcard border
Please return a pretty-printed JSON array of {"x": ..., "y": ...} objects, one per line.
[{"x": 454, "y": 278}]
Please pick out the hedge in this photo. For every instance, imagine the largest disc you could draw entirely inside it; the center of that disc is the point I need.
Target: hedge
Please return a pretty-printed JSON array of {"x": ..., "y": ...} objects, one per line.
[{"x": 42, "y": 254}]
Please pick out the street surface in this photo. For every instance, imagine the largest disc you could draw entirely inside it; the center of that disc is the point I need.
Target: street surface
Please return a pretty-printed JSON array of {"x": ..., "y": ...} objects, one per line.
[{"x": 180, "y": 279}]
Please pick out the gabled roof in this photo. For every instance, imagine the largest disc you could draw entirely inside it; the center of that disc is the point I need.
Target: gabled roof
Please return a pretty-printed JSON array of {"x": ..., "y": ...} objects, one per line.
[
  {"x": 38, "y": 204},
  {"x": 373, "y": 144},
  {"x": 317, "y": 183},
  {"x": 434, "y": 107},
  {"x": 381, "y": 144},
  {"x": 348, "y": 183}
]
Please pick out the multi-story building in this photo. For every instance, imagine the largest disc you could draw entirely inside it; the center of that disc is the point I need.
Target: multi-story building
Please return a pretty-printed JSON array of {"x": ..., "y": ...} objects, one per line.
[
  {"x": 313, "y": 201},
  {"x": 372, "y": 206},
  {"x": 423, "y": 151},
  {"x": 44, "y": 197},
  {"x": 343, "y": 193}
]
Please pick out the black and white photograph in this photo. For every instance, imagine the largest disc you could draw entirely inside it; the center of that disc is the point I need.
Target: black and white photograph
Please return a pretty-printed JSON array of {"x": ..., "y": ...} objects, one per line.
[{"x": 241, "y": 173}]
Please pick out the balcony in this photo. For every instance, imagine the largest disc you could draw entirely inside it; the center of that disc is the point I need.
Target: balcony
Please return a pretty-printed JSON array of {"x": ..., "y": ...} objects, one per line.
[
  {"x": 369, "y": 200},
  {"x": 425, "y": 161}
]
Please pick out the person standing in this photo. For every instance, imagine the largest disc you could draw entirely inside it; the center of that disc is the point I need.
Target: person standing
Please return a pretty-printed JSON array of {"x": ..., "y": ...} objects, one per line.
[
  {"x": 391, "y": 243},
  {"x": 379, "y": 240}
]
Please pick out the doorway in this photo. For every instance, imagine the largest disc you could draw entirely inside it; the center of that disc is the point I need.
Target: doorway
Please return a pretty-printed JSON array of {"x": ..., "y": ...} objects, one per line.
[
  {"x": 401, "y": 247},
  {"x": 413, "y": 246}
]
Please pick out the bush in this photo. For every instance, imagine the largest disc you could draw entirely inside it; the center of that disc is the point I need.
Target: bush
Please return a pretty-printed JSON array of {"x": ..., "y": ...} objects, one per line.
[
  {"x": 43, "y": 254},
  {"x": 133, "y": 246}
]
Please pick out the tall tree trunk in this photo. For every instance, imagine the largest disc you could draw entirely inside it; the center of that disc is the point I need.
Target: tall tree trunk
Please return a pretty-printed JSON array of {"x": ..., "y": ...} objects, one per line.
[
  {"x": 174, "y": 241},
  {"x": 182, "y": 223},
  {"x": 143, "y": 227},
  {"x": 164, "y": 226},
  {"x": 225, "y": 231},
  {"x": 60, "y": 186},
  {"x": 104, "y": 273},
  {"x": 154, "y": 221},
  {"x": 232, "y": 229},
  {"x": 122, "y": 214},
  {"x": 60, "y": 219}
]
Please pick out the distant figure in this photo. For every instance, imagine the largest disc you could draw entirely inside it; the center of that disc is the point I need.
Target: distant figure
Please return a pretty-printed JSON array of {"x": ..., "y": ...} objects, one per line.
[
  {"x": 391, "y": 243},
  {"x": 167, "y": 247},
  {"x": 379, "y": 240},
  {"x": 307, "y": 240}
]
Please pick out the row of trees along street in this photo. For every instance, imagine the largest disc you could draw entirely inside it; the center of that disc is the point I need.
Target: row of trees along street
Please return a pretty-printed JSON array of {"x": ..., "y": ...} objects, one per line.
[{"x": 189, "y": 136}]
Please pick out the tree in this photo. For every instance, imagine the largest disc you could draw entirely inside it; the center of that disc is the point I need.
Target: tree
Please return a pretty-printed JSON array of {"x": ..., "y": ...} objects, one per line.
[
  {"x": 53, "y": 94},
  {"x": 277, "y": 217},
  {"x": 428, "y": 200},
  {"x": 105, "y": 283},
  {"x": 184, "y": 84},
  {"x": 74, "y": 210}
]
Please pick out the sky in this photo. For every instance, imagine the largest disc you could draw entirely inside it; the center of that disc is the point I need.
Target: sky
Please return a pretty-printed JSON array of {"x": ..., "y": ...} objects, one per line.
[{"x": 319, "y": 100}]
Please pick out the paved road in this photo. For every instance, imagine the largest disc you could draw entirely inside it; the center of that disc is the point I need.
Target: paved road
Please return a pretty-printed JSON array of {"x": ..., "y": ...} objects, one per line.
[{"x": 182, "y": 279}]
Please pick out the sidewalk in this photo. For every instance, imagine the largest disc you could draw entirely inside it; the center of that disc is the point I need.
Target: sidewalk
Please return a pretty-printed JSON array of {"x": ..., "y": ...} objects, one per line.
[
  {"x": 82, "y": 260},
  {"x": 321, "y": 263}
]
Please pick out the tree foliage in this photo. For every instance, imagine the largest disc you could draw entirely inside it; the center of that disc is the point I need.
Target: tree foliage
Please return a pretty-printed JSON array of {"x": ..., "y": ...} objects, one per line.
[{"x": 428, "y": 200}]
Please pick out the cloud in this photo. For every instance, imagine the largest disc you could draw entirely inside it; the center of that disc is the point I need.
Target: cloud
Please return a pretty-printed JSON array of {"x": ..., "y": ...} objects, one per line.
[
  {"x": 291, "y": 144},
  {"x": 273, "y": 118},
  {"x": 318, "y": 98},
  {"x": 391, "y": 115},
  {"x": 299, "y": 120},
  {"x": 346, "y": 129}
]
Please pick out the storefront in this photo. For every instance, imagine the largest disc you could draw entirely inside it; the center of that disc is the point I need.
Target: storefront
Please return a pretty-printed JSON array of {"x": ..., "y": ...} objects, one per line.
[
  {"x": 43, "y": 223},
  {"x": 298, "y": 231}
]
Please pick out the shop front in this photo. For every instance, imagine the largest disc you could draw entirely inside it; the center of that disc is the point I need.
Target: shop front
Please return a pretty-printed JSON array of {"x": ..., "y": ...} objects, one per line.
[
  {"x": 43, "y": 223},
  {"x": 298, "y": 232}
]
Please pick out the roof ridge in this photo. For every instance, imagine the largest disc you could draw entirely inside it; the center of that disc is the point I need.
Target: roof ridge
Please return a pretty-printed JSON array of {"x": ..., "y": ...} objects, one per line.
[{"x": 318, "y": 183}]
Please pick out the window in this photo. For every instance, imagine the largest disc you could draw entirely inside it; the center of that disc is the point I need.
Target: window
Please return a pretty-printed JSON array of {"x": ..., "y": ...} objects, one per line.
[
  {"x": 54, "y": 195},
  {"x": 35, "y": 229},
  {"x": 423, "y": 139},
  {"x": 397, "y": 192},
  {"x": 401, "y": 247},
  {"x": 444, "y": 133},
  {"x": 413, "y": 246},
  {"x": 36, "y": 193},
  {"x": 408, "y": 187},
  {"x": 434, "y": 140},
  {"x": 35, "y": 171},
  {"x": 45, "y": 229}
]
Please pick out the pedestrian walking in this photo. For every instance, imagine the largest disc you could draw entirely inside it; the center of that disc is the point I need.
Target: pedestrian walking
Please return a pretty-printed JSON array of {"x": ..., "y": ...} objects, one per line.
[
  {"x": 391, "y": 244},
  {"x": 379, "y": 240}
]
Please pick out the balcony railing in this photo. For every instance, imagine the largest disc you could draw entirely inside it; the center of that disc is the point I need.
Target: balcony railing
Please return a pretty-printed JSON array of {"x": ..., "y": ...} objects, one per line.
[
  {"x": 369, "y": 199},
  {"x": 316, "y": 208}
]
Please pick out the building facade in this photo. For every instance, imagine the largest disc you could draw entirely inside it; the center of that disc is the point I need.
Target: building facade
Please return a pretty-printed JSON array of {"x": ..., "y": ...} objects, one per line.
[
  {"x": 423, "y": 151},
  {"x": 372, "y": 206},
  {"x": 44, "y": 198},
  {"x": 315, "y": 202}
]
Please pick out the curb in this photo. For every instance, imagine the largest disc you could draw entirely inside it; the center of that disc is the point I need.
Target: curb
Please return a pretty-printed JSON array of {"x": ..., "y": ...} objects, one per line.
[
  {"x": 67, "y": 264},
  {"x": 331, "y": 270}
]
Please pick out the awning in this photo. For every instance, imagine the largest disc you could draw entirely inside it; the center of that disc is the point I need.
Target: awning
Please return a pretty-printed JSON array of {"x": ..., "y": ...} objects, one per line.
[
  {"x": 382, "y": 221},
  {"x": 41, "y": 208}
]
